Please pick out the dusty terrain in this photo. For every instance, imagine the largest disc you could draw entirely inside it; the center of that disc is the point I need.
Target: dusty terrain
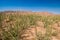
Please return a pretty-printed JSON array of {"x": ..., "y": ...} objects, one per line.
[{"x": 24, "y": 25}]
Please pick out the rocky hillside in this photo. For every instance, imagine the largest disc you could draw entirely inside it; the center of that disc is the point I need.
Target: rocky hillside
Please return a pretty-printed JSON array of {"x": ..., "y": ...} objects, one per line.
[{"x": 24, "y": 25}]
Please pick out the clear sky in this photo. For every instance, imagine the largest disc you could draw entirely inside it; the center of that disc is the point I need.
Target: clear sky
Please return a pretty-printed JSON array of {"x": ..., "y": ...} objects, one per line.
[{"x": 31, "y": 5}]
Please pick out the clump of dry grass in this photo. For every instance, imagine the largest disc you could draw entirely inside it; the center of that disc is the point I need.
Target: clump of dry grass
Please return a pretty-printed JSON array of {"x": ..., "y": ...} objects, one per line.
[{"x": 11, "y": 25}]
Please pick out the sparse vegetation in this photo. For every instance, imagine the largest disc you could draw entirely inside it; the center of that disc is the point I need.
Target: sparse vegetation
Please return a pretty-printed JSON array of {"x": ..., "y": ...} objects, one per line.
[{"x": 12, "y": 26}]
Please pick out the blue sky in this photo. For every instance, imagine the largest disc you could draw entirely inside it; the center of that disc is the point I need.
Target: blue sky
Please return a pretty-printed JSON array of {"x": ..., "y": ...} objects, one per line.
[{"x": 31, "y": 5}]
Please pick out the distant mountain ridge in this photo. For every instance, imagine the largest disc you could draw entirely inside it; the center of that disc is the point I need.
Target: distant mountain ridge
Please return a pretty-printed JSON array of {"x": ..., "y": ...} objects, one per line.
[{"x": 29, "y": 12}]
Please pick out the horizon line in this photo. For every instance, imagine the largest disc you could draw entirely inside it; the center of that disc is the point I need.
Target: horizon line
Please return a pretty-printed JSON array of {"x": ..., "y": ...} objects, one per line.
[{"x": 27, "y": 11}]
